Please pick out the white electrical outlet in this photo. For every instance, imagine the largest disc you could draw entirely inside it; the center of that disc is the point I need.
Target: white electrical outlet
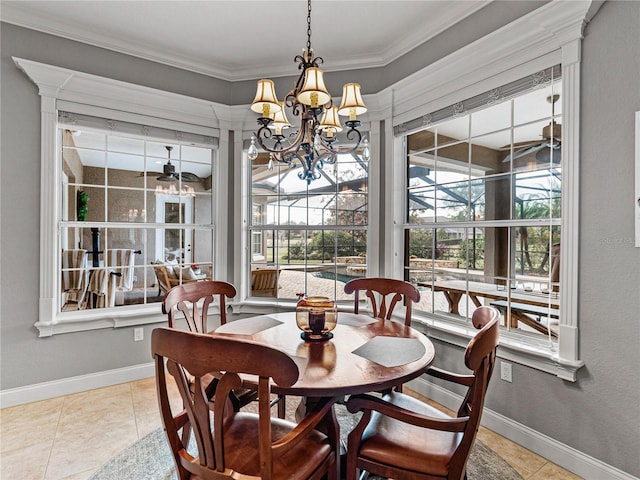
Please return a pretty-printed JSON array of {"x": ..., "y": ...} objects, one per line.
[
  {"x": 505, "y": 371},
  {"x": 138, "y": 334}
]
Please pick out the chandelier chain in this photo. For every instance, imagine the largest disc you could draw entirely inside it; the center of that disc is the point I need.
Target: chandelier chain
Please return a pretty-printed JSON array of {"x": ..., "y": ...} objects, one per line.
[{"x": 309, "y": 26}]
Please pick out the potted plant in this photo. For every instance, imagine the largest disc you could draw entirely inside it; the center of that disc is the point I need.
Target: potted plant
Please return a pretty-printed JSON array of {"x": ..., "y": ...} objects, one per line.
[{"x": 82, "y": 205}]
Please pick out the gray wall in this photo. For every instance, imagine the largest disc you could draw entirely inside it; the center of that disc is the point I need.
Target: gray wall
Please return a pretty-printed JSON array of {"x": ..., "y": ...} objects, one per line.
[{"x": 599, "y": 414}]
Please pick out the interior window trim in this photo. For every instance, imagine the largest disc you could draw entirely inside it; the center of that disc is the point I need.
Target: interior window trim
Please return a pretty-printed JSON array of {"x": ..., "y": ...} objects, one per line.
[
  {"x": 479, "y": 67},
  {"x": 69, "y": 90}
]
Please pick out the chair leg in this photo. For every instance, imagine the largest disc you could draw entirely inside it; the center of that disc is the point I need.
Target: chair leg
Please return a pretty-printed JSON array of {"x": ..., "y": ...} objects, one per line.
[{"x": 352, "y": 470}]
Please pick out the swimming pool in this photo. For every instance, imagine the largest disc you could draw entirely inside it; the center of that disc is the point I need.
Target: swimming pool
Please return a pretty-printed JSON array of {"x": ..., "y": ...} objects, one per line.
[{"x": 333, "y": 276}]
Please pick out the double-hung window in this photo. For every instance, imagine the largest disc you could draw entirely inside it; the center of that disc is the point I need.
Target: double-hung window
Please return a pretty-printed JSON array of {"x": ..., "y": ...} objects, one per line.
[
  {"x": 483, "y": 207},
  {"x": 313, "y": 236},
  {"x": 135, "y": 213},
  {"x": 129, "y": 196}
]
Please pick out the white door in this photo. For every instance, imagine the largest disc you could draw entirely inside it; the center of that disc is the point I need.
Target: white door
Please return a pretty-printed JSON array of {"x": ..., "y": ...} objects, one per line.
[{"x": 174, "y": 244}]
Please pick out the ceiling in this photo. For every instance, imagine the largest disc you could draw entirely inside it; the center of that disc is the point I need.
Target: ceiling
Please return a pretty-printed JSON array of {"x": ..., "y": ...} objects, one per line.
[{"x": 246, "y": 39}]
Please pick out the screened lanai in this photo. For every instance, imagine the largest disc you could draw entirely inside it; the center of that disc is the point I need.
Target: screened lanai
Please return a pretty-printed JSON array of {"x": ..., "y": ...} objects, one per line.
[{"x": 317, "y": 229}]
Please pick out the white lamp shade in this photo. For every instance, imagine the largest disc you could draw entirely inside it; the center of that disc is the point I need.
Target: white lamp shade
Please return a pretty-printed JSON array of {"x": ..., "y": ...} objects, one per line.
[
  {"x": 280, "y": 120},
  {"x": 313, "y": 92},
  {"x": 352, "y": 103},
  {"x": 330, "y": 120},
  {"x": 265, "y": 101}
]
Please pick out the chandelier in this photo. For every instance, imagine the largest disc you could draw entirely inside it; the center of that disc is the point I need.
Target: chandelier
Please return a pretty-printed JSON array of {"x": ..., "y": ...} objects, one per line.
[{"x": 313, "y": 144}]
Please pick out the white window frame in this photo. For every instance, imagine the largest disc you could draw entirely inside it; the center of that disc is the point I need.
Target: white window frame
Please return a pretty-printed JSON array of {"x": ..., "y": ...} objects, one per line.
[
  {"x": 548, "y": 36},
  {"x": 251, "y": 230},
  {"x": 256, "y": 253},
  {"x": 371, "y": 121},
  {"x": 69, "y": 90}
]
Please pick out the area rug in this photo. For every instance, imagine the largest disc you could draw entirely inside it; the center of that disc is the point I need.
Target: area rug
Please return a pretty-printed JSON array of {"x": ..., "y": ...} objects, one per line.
[{"x": 150, "y": 459}]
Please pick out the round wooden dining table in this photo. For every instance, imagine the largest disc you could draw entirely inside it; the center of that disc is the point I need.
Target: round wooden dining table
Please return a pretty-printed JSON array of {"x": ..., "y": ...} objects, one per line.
[{"x": 365, "y": 354}]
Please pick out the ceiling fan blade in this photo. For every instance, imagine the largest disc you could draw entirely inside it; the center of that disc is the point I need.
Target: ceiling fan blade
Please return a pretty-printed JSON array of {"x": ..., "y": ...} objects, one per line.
[
  {"x": 190, "y": 177},
  {"x": 520, "y": 145},
  {"x": 525, "y": 151},
  {"x": 551, "y": 154}
]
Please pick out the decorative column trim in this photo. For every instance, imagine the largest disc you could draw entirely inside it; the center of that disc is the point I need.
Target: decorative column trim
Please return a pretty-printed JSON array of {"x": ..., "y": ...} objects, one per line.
[{"x": 569, "y": 256}]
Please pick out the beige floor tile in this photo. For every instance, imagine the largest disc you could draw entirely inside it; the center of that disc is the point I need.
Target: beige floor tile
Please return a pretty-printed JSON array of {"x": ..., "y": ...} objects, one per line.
[
  {"x": 90, "y": 403},
  {"x": 88, "y": 447},
  {"x": 93, "y": 427},
  {"x": 78, "y": 433},
  {"x": 525, "y": 462},
  {"x": 144, "y": 396},
  {"x": 145, "y": 405},
  {"x": 551, "y": 471},
  {"x": 147, "y": 422},
  {"x": 28, "y": 462},
  {"x": 24, "y": 425},
  {"x": 86, "y": 475}
]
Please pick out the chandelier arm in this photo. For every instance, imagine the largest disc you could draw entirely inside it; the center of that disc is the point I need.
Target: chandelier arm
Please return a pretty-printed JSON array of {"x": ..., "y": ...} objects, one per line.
[
  {"x": 351, "y": 134},
  {"x": 294, "y": 146},
  {"x": 263, "y": 132},
  {"x": 327, "y": 145}
]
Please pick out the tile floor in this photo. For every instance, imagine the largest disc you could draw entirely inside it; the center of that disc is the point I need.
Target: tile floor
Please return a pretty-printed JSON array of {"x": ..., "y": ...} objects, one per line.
[{"x": 70, "y": 437}]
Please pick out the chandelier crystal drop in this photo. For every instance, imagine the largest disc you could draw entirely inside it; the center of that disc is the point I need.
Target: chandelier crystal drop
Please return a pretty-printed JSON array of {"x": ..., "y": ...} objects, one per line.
[{"x": 314, "y": 142}]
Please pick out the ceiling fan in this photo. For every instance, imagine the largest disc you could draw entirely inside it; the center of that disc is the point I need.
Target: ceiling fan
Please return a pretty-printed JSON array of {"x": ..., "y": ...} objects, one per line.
[
  {"x": 169, "y": 173},
  {"x": 547, "y": 149}
]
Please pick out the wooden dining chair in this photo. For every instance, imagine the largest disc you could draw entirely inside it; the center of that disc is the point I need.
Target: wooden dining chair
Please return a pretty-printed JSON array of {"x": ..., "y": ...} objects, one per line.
[
  {"x": 264, "y": 282},
  {"x": 193, "y": 301},
  {"x": 402, "y": 437},
  {"x": 233, "y": 444},
  {"x": 167, "y": 277},
  {"x": 378, "y": 290}
]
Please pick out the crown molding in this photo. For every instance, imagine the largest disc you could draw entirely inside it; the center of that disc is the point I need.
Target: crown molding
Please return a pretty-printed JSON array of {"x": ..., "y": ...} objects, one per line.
[
  {"x": 86, "y": 89},
  {"x": 539, "y": 35},
  {"x": 22, "y": 16}
]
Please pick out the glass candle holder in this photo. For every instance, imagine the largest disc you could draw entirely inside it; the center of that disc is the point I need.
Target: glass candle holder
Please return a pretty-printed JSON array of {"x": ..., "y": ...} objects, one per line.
[{"x": 316, "y": 317}]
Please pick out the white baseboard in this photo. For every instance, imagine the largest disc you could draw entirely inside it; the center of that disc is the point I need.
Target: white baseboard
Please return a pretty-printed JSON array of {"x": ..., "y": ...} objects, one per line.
[
  {"x": 567, "y": 457},
  {"x": 81, "y": 383}
]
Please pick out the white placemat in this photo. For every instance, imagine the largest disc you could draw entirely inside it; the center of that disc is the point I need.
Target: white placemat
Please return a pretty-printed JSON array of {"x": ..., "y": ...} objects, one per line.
[
  {"x": 248, "y": 326},
  {"x": 353, "y": 320},
  {"x": 391, "y": 351}
]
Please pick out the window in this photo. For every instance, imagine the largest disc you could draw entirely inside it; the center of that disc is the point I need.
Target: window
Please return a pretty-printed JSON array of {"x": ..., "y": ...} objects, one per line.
[
  {"x": 483, "y": 207},
  {"x": 314, "y": 236},
  {"x": 136, "y": 214},
  {"x": 257, "y": 248},
  {"x": 124, "y": 215}
]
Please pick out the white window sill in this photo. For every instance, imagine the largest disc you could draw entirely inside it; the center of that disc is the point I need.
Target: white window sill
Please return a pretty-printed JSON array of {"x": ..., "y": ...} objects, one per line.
[
  {"x": 534, "y": 352},
  {"x": 95, "y": 319}
]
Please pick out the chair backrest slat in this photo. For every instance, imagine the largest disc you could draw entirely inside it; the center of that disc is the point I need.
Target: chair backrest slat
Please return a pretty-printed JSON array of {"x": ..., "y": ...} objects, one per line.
[{"x": 193, "y": 300}]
